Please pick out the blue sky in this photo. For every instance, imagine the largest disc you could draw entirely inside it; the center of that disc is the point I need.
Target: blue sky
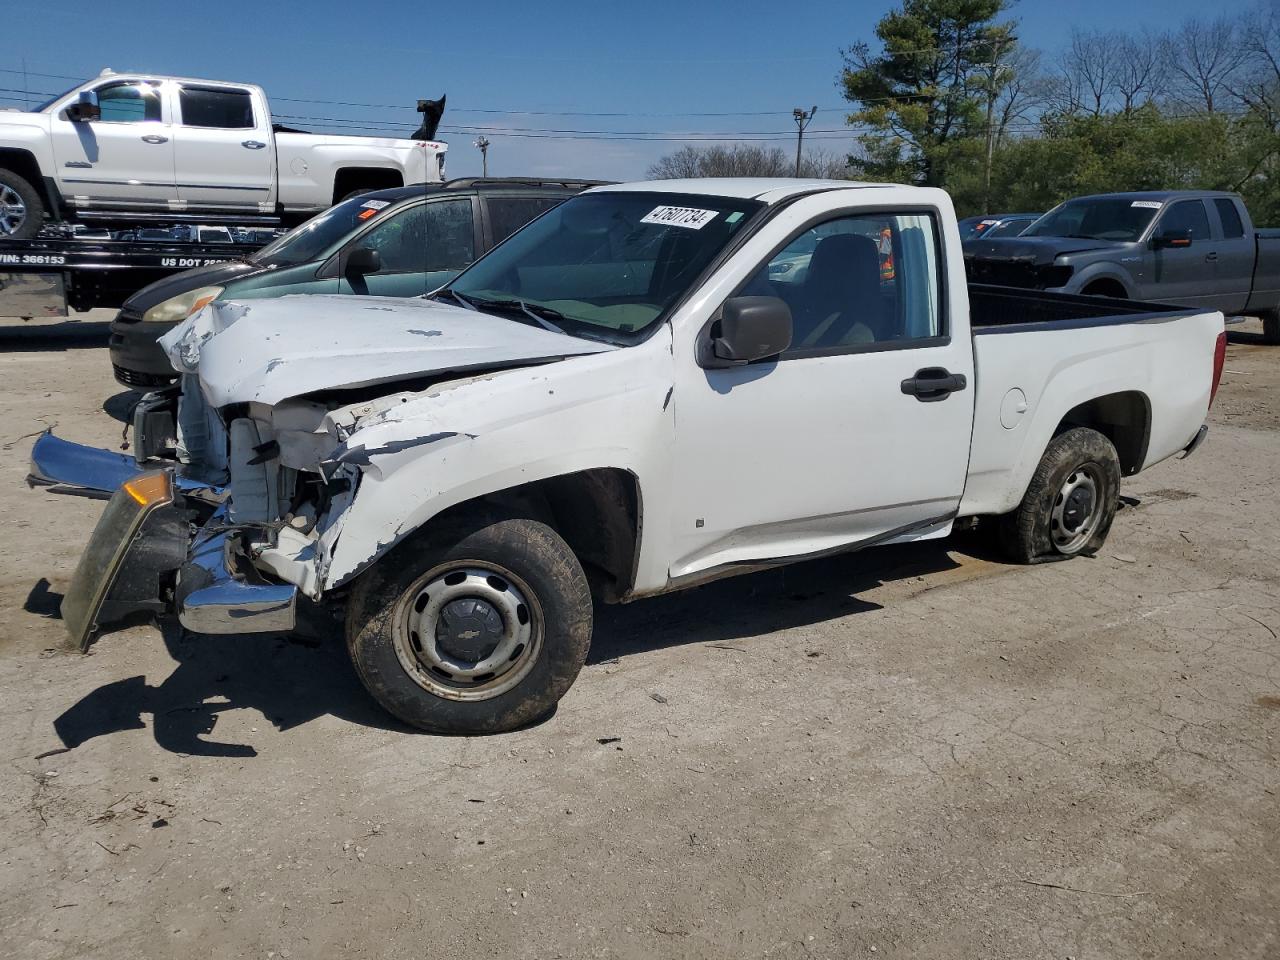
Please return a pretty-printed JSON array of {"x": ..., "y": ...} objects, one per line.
[{"x": 653, "y": 63}]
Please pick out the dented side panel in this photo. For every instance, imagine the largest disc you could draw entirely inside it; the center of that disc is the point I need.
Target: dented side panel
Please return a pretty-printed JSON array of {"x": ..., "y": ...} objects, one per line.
[{"x": 419, "y": 455}]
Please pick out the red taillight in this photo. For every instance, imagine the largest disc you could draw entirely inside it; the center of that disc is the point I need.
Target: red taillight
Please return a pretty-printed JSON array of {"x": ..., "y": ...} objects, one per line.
[{"x": 1219, "y": 358}]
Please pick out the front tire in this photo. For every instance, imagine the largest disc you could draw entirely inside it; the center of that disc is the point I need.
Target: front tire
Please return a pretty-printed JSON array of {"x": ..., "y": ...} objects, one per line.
[
  {"x": 21, "y": 209},
  {"x": 1070, "y": 503},
  {"x": 477, "y": 625}
]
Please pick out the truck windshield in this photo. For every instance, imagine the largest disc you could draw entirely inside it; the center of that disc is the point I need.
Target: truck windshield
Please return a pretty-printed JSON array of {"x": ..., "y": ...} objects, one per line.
[
  {"x": 52, "y": 100},
  {"x": 319, "y": 235},
  {"x": 1097, "y": 218},
  {"x": 604, "y": 264}
]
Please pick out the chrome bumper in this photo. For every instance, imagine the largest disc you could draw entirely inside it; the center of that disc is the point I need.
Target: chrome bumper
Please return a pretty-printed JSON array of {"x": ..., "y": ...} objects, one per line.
[
  {"x": 61, "y": 463},
  {"x": 146, "y": 560},
  {"x": 213, "y": 596}
]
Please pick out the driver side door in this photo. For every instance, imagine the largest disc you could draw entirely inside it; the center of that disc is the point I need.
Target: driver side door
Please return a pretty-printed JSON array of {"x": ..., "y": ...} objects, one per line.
[
  {"x": 824, "y": 447},
  {"x": 125, "y": 156},
  {"x": 422, "y": 247}
]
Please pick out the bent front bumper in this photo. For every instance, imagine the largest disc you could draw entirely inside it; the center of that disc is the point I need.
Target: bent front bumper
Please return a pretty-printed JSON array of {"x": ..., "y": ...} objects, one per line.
[
  {"x": 61, "y": 463},
  {"x": 150, "y": 554}
]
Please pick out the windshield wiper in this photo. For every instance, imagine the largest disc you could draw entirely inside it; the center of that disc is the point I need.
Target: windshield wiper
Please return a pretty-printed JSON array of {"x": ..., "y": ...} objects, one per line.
[
  {"x": 462, "y": 300},
  {"x": 539, "y": 314}
]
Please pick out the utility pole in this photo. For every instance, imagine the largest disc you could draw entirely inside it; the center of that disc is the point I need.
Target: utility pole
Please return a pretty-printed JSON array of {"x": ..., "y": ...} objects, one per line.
[
  {"x": 993, "y": 82},
  {"x": 483, "y": 144},
  {"x": 802, "y": 120}
]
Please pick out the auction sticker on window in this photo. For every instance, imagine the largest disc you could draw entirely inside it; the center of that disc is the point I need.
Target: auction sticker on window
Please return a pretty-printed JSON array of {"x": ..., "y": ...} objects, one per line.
[
  {"x": 1147, "y": 204},
  {"x": 690, "y": 217},
  {"x": 375, "y": 204}
]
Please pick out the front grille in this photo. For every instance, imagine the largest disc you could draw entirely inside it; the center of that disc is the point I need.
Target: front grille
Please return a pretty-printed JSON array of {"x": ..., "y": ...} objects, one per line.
[{"x": 133, "y": 378}]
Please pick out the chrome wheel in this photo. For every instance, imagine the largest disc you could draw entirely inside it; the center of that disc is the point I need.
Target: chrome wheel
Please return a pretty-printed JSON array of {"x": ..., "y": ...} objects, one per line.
[
  {"x": 13, "y": 212},
  {"x": 1076, "y": 510},
  {"x": 468, "y": 631}
]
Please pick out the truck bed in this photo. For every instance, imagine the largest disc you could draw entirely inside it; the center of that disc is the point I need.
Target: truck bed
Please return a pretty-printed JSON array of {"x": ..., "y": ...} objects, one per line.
[
  {"x": 993, "y": 307},
  {"x": 1145, "y": 370}
]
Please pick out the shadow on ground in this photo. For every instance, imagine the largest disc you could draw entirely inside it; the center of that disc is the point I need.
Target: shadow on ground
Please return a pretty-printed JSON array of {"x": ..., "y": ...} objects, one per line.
[{"x": 296, "y": 679}]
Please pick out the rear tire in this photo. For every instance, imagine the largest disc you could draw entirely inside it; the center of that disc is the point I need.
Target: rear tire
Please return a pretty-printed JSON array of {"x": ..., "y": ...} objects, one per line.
[
  {"x": 1270, "y": 326},
  {"x": 1070, "y": 502},
  {"x": 21, "y": 209},
  {"x": 477, "y": 625}
]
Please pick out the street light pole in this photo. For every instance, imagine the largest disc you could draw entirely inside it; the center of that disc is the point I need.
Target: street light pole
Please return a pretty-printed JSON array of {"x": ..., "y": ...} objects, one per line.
[
  {"x": 483, "y": 144},
  {"x": 802, "y": 120}
]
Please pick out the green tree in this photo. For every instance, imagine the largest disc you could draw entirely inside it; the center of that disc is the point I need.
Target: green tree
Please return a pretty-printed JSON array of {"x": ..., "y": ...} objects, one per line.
[{"x": 924, "y": 96}]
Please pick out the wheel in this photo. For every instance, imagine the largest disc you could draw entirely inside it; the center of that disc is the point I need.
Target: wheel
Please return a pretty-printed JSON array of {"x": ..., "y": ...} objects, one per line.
[
  {"x": 474, "y": 626},
  {"x": 1270, "y": 325},
  {"x": 21, "y": 209},
  {"x": 358, "y": 192},
  {"x": 1070, "y": 502}
]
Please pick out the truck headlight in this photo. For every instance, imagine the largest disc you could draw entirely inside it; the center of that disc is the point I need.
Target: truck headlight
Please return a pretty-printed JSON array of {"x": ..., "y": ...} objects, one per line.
[{"x": 182, "y": 306}]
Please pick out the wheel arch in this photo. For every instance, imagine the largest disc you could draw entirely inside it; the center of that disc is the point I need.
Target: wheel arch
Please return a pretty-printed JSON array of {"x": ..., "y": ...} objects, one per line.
[
  {"x": 1124, "y": 418},
  {"x": 348, "y": 179},
  {"x": 598, "y": 512},
  {"x": 24, "y": 164}
]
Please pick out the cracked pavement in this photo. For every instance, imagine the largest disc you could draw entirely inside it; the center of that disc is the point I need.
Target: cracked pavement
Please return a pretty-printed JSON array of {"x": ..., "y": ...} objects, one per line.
[{"x": 914, "y": 752}]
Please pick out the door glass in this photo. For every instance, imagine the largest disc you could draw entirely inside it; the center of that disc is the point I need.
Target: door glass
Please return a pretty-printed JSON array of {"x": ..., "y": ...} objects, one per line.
[
  {"x": 857, "y": 281},
  {"x": 1186, "y": 215},
  {"x": 128, "y": 103},
  {"x": 221, "y": 109},
  {"x": 425, "y": 238},
  {"x": 1232, "y": 226},
  {"x": 509, "y": 214}
]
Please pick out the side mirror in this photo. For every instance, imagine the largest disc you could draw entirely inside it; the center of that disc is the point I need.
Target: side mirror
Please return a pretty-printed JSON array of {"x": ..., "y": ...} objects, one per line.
[
  {"x": 82, "y": 111},
  {"x": 1172, "y": 239},
  {"x": 361, "y": 260},
  {"x": 749, "y": 328}
]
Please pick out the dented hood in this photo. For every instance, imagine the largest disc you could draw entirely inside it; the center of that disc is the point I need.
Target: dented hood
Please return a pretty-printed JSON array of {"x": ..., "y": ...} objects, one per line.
[{"x": 267, "y": 351}]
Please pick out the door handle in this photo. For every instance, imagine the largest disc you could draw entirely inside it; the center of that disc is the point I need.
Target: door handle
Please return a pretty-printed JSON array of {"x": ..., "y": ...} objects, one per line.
[
  {"x": 253, "y": 144},
  {"x": 931, "y": 384},
  {"x": 1211, "y": 257},
  {"x": 154, "y": 138}
]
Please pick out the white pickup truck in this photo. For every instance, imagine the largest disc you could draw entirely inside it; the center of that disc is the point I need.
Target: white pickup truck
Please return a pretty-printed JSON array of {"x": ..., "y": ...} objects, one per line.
[
  {"x": 631, "y": 395},
  {"x": 129, "y": 144}
]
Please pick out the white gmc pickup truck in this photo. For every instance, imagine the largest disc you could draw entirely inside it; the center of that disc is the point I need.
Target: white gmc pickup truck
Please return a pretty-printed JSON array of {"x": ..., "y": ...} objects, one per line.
[
  {"x": 140, "y": 144},
  {"x": 651, "y": 386}
]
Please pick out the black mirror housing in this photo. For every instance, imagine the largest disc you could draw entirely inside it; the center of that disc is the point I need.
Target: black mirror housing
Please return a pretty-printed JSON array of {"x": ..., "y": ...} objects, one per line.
[
  {"x": 1172, "y": 239},
  {"x": 749, "y": 328},
  {"x": 82, "y": 111},
  {"x": 361, "y": 260}
]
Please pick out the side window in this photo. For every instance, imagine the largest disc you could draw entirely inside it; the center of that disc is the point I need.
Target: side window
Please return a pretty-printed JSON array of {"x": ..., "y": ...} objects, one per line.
[
  {"x": 1187, "y": 215},
  {"x": 128, "y": 103},
  {"x": 509, "y": 214},
  {"x": 857, "y": 281},
  {"x": 1232, "y": 226},
  {"x": 426, "y": 238},
  {"x": 218, "y": 108}
]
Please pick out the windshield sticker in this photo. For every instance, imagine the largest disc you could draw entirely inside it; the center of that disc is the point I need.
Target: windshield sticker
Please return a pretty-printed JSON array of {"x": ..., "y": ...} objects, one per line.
[
  {"x": 375, "y": 204},
  {"x": 689, "y": 217},
  {"x": 1147, "y": 204}
]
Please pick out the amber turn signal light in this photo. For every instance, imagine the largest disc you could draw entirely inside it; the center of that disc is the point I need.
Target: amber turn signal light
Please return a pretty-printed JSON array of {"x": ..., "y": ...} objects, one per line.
[{"x": 150, "y": 488}]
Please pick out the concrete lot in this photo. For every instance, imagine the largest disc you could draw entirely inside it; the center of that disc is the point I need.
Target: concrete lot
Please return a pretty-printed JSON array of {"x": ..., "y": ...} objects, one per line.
[{"x": 910, "y": 753}]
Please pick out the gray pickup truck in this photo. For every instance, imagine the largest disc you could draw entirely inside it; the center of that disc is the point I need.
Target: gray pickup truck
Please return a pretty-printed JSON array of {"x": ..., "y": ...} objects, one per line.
[{"x": 1175, "y": 246}]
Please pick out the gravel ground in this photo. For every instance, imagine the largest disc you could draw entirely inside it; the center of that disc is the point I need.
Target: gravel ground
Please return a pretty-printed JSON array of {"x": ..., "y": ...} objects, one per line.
[{"x": 916, "y": 752}]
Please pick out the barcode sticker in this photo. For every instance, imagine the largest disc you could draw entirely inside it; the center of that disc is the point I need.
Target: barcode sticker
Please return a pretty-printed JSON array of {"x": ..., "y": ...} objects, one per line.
[
  {"x": 689, "y": 217},
  {"x": 1147, "y": 204},
  {"x": 375, "y": 204}
]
